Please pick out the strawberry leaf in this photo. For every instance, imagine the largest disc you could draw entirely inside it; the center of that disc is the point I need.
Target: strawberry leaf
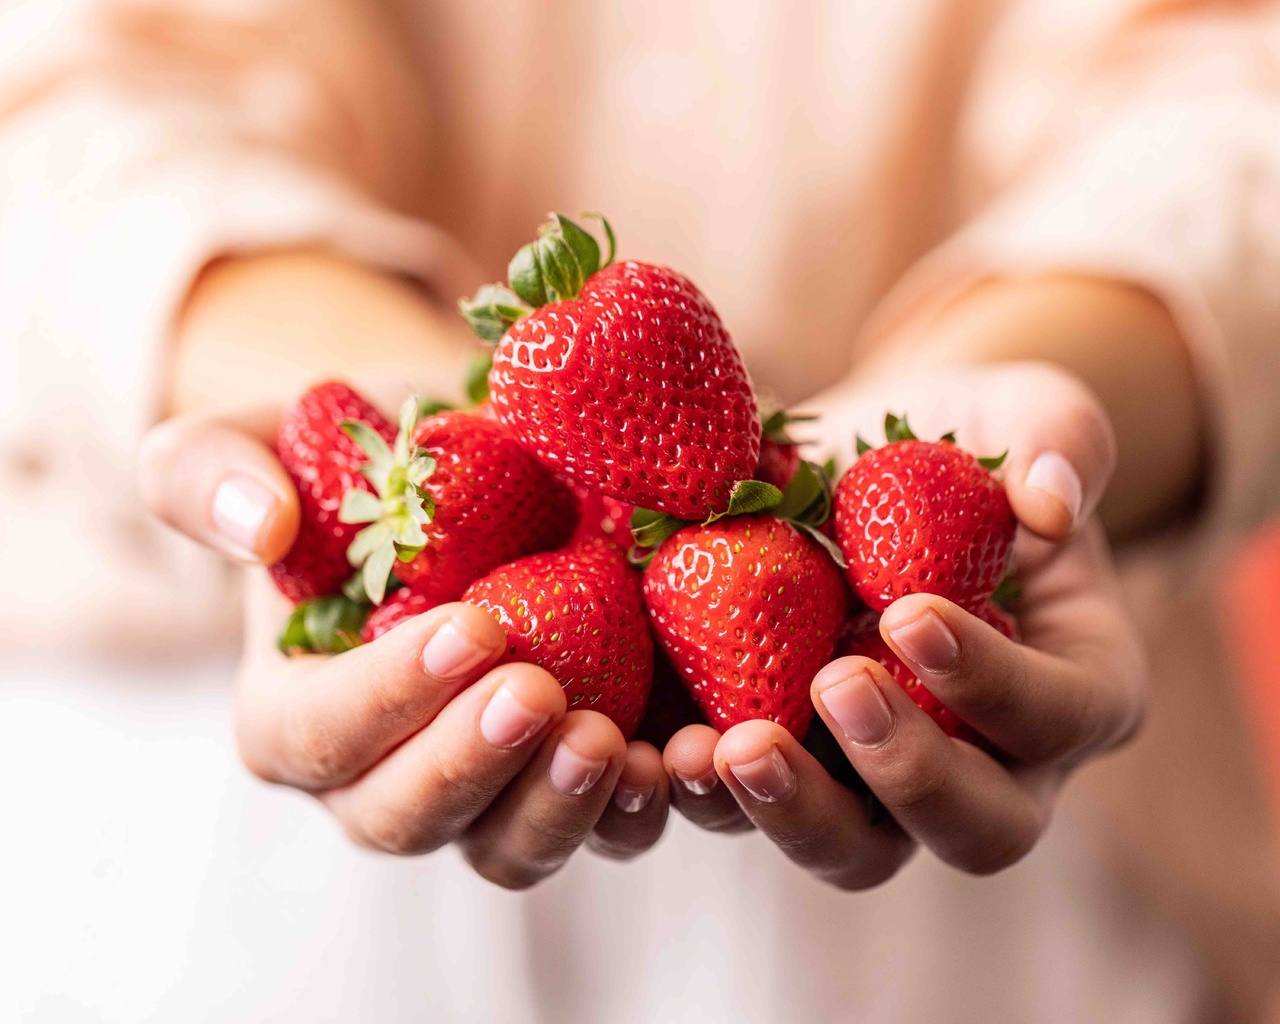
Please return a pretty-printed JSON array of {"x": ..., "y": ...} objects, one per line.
[
  {"x": 561, "y": 275},
  {"x": 477, "y": 381},
  {"x": 862, "y": 446},
  {"x": 493, "y": 309},
  {"x": 608, "y": 234},
  {"x": 825, "y": 542},
  {"x": 994, "y": 462},
  {"x": 328, "y": 625},
  {"x": 376, "y": 569},
  {"x": 804, "y": 490},
  {"x": 897, "y": 429},
  {"x": 431, "y": 406},
  {"x": 649, "y": 529},
  {"x": 585, "y": 249},
  {"x": 747, "y": 498},
  {"x": 525, "y": 276},
  {"x": 359, "y": 506}
]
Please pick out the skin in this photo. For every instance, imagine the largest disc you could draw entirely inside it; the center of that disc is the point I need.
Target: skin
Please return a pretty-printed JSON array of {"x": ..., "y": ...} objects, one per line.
[{"x": 1057, "y": 365}]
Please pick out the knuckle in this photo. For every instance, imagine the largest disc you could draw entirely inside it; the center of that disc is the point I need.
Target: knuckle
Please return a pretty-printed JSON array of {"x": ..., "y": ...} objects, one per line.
[
  {"x": 312, "y": 750},
  {"x": 918, "y": 782},
  {"x": 465, "y": 793},
  {"x": 392, "y": 830},
  {"x": 504, "y": 872},
  {"x": 990, "y": 857}
]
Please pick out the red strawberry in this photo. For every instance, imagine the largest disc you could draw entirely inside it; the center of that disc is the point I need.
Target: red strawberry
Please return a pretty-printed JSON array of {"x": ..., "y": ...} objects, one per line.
[
  {"x": 1000, "y": 618},
  {"x": 399, "y": 607},
  {"x": 602, "y": 517},
  {"x": 456, "y": 497},
  {"x": 747, "y": 608},
  {"x": 324, "y": 464},
  {"x": 623, "y": 379},
  {"x": 578, "y": 614},
  {"x": 861, "y": 636},
  {"x": 779, "y": 451},
  {"x": 922, "y": 517}
]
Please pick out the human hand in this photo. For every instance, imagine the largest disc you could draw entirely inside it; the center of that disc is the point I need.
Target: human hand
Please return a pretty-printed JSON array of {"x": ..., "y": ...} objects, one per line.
[
  {"x": 415, "y": 740},
  {"x": 1073, "y": 689}
]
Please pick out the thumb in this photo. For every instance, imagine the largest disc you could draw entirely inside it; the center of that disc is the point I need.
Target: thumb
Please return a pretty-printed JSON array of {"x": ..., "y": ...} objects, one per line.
[
  {"x": 1062, "y": 449},
  {"x": 218, "y": 481}
]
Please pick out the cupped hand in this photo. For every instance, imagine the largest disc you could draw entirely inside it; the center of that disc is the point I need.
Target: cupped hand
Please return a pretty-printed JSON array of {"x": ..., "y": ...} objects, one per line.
[
  {"x": 1071, "y": 690},
  {"x": 418, "y": 739}
]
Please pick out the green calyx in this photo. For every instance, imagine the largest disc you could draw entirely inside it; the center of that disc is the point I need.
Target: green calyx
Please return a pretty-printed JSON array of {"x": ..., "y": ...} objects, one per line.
[
  {"x": 324, "y": 625},
  {"x": 896, "y": 428},
  {"x": 398, "y": 509},
  {"x": 775, "y": 422},
  {"x": 551, "y": 268},
  {"x": 805, "y": 504}
]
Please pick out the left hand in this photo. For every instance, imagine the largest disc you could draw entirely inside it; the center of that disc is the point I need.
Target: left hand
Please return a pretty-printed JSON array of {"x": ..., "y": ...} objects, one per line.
[{"x": 1073, "y": 689}]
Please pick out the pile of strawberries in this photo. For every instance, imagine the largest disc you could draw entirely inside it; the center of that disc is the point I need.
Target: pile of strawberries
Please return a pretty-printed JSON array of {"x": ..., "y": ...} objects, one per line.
[{"x": 617, "y": 503}]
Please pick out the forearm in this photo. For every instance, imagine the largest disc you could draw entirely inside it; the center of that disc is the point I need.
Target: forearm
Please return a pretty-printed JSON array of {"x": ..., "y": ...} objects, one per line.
[
  {"x": 1117, "y": 339},
  {"x": 260, "y": 329}
]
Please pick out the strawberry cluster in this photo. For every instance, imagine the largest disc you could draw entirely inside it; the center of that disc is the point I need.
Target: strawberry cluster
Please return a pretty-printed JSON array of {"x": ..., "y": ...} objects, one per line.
[{"x": 616, "y": 501}]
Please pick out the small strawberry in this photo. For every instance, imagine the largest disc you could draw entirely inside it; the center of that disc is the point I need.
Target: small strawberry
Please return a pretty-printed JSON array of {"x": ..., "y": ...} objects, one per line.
[
  {"x": 600, "y": 516},
  {"x": 455, "y": 497},
  {"x": 861, "y": 636},
  {"x": 578, "y": 614},
  {"x": 748, "y": 607},
  {"x": 622, "y": 377},
  {"x": 922, "y": 517},
  {"x": 324, "y": 464},
  {"x": 779, "y": 452},
  {"x": 999, "y": 617},
  {"x": 401, "y": 606}
]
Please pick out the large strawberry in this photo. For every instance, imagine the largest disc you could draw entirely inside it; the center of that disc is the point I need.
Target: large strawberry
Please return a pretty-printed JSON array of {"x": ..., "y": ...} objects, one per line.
[
  {"x": 622, "y": 377},
  {"x": 749, "y": 607},
  {"x": 456, "y": 496},
  {"x": 578, "y": 614},
  {"x": 324, "y": 464},
  {"x": 861, "y": 636},
  {"x": 923, "y": 517}
]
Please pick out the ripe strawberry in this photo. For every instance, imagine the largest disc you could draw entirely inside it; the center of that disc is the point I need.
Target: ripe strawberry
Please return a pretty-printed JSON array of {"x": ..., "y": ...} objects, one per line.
[
  {"x": 747, "y": 608},
  {"x": 401, "y": 606},
  {"x": 578, "y": 614},
  {"x": 324, "y": 464},
  {"x": 456, "y": 497},
  {"x": 599, "y": 516},
  {"x": 861, "y": 636},
  {"x": 1000, "y": 618},
  {"x": 623, "y": 379},
  {"x": 922, "y": 517},
  {"x": 779, "y": 451}
]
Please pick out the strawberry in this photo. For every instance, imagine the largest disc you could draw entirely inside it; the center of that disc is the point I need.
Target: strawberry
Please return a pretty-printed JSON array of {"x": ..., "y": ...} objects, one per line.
[
  {"x": 861, "y": 636},
  {"x": 779, "y": 452},
  {"x": 747, "y": 609},
  {"x": 599, "y": 516},
  {"x": 578, "y": 614},
  {"x": 922, "y": 517},
  {"x": 456, "y": 497},
  {"x": 324, "y": 464},
  {"x": 621, "y": 378},
  {"x": 399, "y": 607}
]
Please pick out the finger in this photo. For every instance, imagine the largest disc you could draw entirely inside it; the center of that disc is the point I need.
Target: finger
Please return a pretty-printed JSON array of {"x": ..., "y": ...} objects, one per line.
[
  {"x": 427, "y": 792},
  {"x": 945, "y": 793},
  {"x": 220, "y": 484},
  {"x": 318, "y": 722},
  {"x": 696, "y": 789},
  {"x": 1083, "y": 694},
  {"x": 549, "y": 810},
  {"x": 1062, "y": 449},
  {"x": 635, "y": 817},
  {"x": 813, "y": 819}
]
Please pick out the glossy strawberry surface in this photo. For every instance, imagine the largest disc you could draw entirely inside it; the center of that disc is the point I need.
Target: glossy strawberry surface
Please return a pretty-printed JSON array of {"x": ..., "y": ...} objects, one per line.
[
  {"x": 324, "y": 464},
  {"x": 747, "y": 609},
  {"x": 633, "y": 389},
  {"x": 602, "y": 517},
  {"x": 494, "y": 502},
  {"x": 399, "y": 607},
  {"x": 577, "y": 613},
  {"x": 778, "y": 462},
  {"x": 923, "y": 517}
]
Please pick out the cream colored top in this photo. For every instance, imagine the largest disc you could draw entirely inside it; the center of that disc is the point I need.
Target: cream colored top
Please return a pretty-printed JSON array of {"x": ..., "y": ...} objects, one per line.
[{"x": 799, "y": 161}]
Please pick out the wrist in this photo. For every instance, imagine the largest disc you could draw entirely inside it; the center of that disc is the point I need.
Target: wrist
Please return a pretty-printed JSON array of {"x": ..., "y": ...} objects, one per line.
[{"x": 259, "y": 329}]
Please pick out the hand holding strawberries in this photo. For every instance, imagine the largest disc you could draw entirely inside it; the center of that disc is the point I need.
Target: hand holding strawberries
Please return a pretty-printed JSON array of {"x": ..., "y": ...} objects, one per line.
[{"x": 1071, "y": 690}]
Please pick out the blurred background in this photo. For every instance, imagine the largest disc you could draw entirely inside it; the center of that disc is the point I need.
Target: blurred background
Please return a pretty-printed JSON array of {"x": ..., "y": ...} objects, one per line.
[{"x": 810, "y": 167}]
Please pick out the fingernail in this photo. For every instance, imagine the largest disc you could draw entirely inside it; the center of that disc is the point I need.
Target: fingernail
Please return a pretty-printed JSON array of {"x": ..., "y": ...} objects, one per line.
[
  {"x": 1056, "y": 476},
  {"x": 769, "y": 779},
  {"x": 632, "y": 799},
  {"x": 241, "y": 506},
  {"x": 927, "y": 642},
  {"x": 573, "y": 774},
  {"x": 508, "y": 722},
  {"x": 859, "y": 708},
  {"x": 452, "y": 652},
  {"x": 700, "y": 786}
]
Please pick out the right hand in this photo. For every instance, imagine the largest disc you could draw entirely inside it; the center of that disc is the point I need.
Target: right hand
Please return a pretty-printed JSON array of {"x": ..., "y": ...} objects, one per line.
[{"x": 416, "y": 740}]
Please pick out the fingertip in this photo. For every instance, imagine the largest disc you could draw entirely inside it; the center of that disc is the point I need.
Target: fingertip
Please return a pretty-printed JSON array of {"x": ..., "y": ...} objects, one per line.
[
  {"x": 748, "y": 742},
  {"x": 643, "y": 766},
  {"x": 534, "y": 687},
  {"x": 593, "y": 736}
]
